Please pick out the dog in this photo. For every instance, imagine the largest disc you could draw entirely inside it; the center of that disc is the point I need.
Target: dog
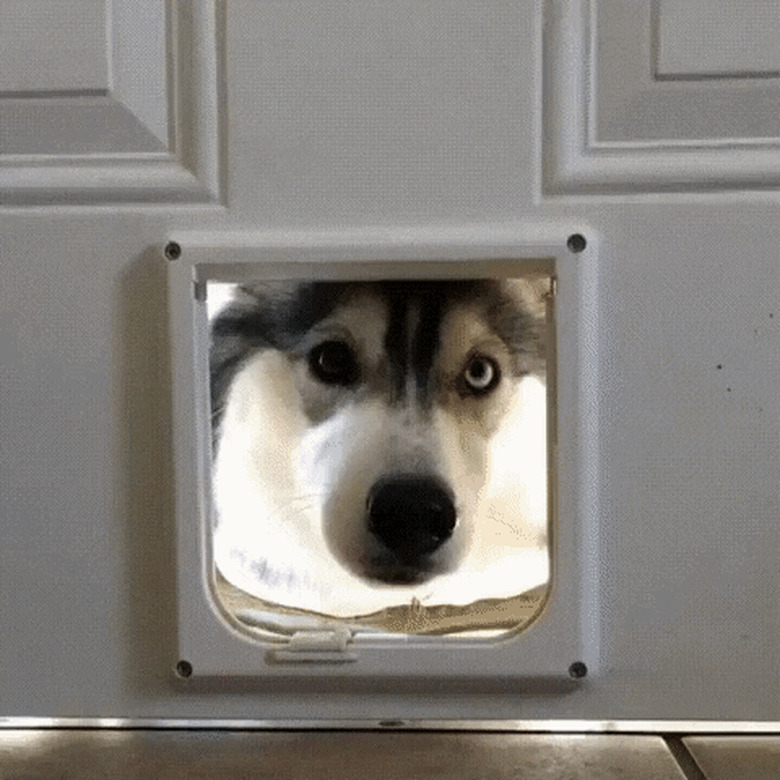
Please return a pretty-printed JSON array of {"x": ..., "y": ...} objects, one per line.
[{"x": 380, "y": 443}]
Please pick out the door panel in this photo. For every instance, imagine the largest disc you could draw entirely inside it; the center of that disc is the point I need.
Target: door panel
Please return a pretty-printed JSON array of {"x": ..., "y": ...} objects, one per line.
[
  {"x": 110, "y": 102},
  {"x": 302, "y": 123}
]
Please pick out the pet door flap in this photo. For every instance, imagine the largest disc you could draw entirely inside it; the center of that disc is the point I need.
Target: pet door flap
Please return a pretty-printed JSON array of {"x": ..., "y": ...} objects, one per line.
[{"x": 369, "y": 462}]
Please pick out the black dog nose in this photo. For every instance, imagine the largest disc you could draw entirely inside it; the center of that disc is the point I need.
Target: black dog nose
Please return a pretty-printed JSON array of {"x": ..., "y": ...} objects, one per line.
[{"x": 410, "y": 515}]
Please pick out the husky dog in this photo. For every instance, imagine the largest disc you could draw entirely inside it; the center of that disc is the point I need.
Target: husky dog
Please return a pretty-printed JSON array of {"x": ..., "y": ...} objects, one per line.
[{"x": 380, "y": 443}]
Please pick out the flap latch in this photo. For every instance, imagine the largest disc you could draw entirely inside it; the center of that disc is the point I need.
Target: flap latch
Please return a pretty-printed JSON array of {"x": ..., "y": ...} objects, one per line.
[{"x": 327, "y": 645}]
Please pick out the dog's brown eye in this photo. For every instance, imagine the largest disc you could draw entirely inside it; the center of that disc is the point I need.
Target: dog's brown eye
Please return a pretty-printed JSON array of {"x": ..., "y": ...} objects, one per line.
[
  {"x": 334, "y": 363},
  {"x": 481, "y": 375}
]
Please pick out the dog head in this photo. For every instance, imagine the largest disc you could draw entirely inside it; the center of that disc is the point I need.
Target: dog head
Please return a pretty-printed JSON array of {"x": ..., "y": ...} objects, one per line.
[{"x": 377, "y": 434}]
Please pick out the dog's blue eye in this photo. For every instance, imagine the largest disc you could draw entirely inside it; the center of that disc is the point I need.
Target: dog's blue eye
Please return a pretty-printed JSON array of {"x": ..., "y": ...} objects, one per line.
[
  {"x": 481, "y": 375},
  {"x": 334, "y": 363}
]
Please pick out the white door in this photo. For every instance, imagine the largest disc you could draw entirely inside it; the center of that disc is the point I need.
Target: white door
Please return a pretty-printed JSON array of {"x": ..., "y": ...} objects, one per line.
[{"x": 650, "y": 128}]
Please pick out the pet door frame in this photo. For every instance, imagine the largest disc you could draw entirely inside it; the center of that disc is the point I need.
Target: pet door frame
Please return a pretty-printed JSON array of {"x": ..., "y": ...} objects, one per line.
[{"x": 560, "y": 648}]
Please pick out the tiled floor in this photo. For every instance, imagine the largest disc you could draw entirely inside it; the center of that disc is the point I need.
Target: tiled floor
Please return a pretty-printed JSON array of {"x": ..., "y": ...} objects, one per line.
[{"x": 343, "y": 755}]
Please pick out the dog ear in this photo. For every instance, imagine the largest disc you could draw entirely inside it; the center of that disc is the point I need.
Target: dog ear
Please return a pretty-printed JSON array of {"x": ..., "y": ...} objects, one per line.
[
  {"x": 531, "y": 294},
  {"x": 522, "y": 316},
  {"x": 240, "y": 327}
]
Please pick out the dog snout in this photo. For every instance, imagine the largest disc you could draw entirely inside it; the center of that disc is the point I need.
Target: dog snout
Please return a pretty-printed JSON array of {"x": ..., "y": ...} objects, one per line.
[{"x": 412, "y": 516}]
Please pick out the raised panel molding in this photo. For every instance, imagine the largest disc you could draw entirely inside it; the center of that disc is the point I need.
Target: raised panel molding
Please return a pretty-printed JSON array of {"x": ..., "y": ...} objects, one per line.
[
  {"x": 614, "y": 122},
  {"x": 713, "y": 39},
  {"x": 152, "y": 134},
  {"x": 72, "y": 57}
]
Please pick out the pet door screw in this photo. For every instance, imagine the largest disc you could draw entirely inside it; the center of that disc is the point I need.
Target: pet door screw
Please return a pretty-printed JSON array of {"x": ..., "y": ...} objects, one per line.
[
  {"x": 578, "y": 670},
  {"x": 184, "y": 669},
  {"x": 172, "y": 250},
  {"x": 576, "y": 243}
]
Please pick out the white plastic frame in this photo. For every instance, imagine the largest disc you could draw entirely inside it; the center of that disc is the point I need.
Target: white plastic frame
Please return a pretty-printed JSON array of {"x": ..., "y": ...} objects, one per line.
[{"x": 213, "y": 644}]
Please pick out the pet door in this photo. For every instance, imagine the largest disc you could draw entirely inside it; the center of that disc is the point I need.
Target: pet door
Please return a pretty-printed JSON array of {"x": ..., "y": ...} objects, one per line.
[
  {"x": 380, "y": 452},
  {"x": 378, "y": 455}
]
